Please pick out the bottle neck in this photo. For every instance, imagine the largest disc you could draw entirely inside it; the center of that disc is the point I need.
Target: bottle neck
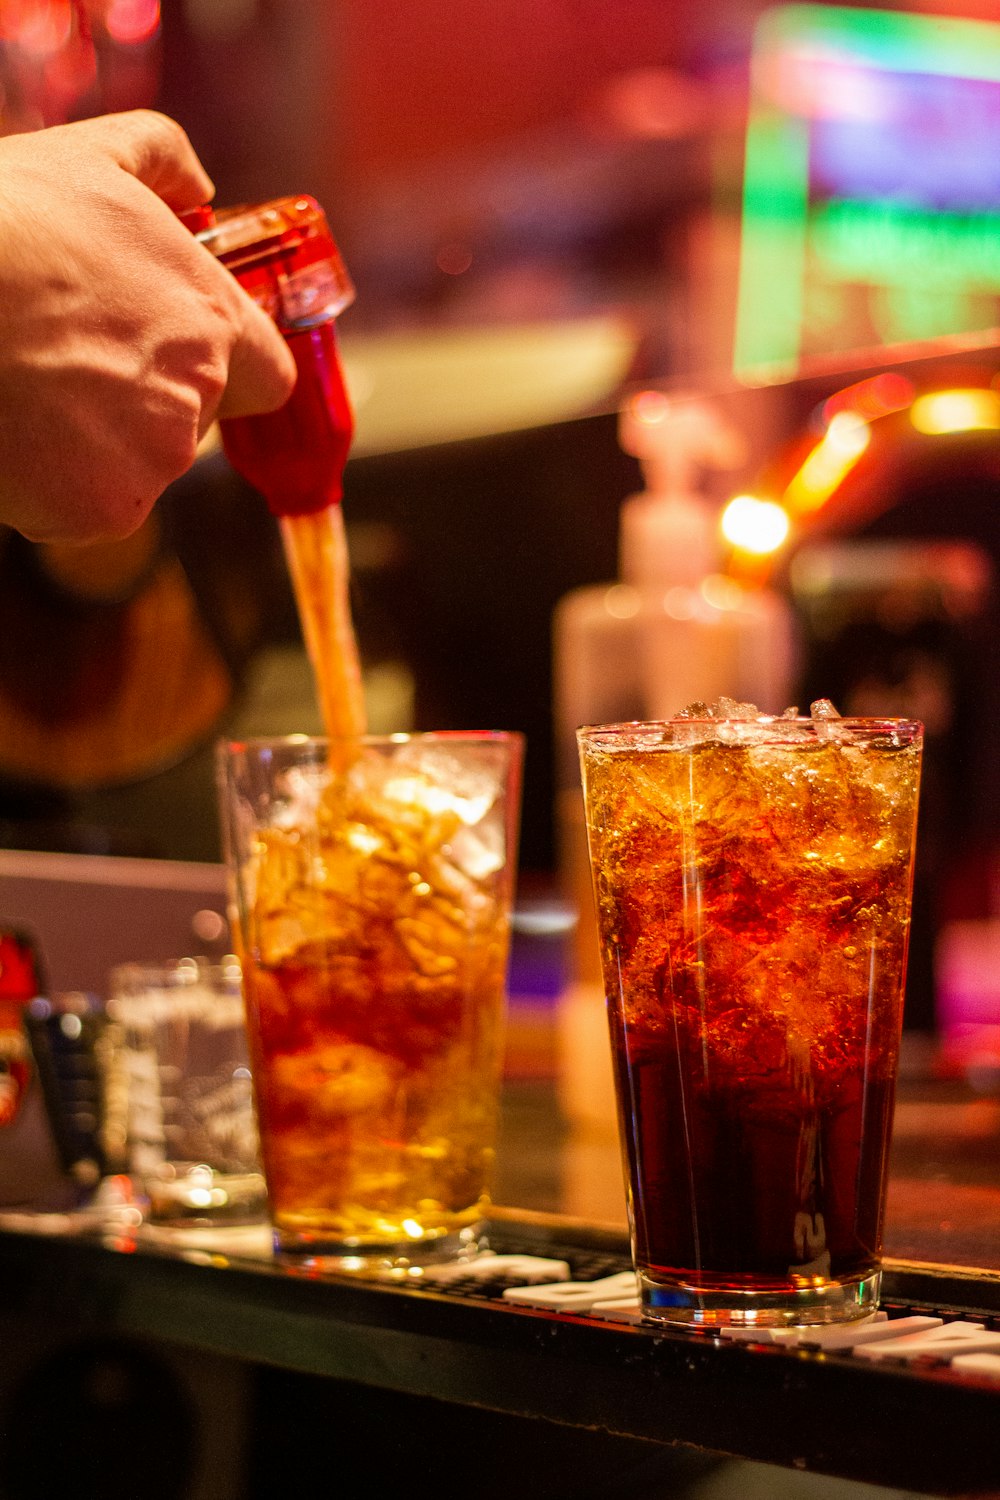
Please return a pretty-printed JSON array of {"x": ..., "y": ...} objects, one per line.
[{"x": 296, "y": 456}]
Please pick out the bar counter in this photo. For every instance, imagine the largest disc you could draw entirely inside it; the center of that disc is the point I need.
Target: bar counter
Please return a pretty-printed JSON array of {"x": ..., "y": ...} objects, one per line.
[{"x": 246, "y": 1373}]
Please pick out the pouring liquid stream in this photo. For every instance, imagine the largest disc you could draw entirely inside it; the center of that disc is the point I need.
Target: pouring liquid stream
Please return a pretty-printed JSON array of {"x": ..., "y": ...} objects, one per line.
[{"x": 316, "y": 553}]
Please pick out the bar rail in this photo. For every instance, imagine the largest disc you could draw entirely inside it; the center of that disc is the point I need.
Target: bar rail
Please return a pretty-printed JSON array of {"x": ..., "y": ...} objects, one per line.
[{"x": 922, "y": 1426}]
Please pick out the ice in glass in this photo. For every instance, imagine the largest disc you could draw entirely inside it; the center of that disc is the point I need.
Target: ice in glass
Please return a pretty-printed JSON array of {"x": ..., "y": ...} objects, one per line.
[
  {"x": 373, "y": 882},
  {"x": 753, "y": 879}
]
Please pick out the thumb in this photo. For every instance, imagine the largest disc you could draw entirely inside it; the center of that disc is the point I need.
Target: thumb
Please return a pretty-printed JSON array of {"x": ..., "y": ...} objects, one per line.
[{"x": 261, "y": 367}]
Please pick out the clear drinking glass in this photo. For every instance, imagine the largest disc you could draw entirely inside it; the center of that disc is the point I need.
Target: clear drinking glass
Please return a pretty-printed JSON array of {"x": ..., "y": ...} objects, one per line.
[
  {"x": 753, "y": 883},
  {"x": 178, "y": 1043},
  {"x": 372, "y": 884}
]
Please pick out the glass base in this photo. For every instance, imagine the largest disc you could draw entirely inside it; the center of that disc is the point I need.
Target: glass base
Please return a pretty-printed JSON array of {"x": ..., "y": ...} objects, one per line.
[
  {"x": 683, "y": 1305},
  {"x": 184, "y": 1196},
  {"x": 398, "y": 1260}
]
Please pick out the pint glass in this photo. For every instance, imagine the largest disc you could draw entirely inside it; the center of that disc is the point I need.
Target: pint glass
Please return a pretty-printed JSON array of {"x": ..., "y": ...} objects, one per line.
[
  {"x": 753, "y": 882},
  {"x": 372, "y": 883}
]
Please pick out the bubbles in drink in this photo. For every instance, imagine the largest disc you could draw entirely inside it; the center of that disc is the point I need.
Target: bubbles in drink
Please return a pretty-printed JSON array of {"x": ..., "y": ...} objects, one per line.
[
  {"x": 375, "y": 985},
  {"x": 753, "y": 876}
]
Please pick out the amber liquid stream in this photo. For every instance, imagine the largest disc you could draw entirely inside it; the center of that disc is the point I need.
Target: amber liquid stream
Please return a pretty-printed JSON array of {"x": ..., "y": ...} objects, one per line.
[{"x": 316, "y": 553}]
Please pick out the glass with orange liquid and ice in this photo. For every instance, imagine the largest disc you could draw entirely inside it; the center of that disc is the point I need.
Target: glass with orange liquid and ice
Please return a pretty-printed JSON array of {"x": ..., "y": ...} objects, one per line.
[{"x": 373, "y": 886}]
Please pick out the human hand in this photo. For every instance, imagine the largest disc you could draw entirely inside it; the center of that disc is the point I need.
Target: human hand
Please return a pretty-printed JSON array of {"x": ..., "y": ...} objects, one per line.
[{"x": 121, "y": 338}]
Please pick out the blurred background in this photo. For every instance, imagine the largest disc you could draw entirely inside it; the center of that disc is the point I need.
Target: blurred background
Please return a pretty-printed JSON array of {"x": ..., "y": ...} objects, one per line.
[
  {"x": 674, "y": 372},
  {"x": 676, "y": 365}
]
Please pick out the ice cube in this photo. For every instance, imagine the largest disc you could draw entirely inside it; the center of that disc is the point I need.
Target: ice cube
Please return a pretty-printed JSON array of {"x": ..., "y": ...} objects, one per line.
[
  {"x": 425, "y": 943},
  {"x": 726, "y": 709},
  {"x": 743, "y": 731},
  {"x": 478, "y": 852},
  {"x": 446, "y": 878},
  {"x": 454, "y": 783},
  {"x": 300, "y": 791},
  {"x": 729, "y": 708},
  {"x": 339, "y": 1079},
  {"x": 829, "y": 725},
  {"x": 690, "y": 732}
]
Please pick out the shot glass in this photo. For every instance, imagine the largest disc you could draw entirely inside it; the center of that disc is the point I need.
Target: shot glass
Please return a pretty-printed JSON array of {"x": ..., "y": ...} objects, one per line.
[
  {"x": 753, "y": 885},
  {"x": 180, "y": 1084},
  {"x": 372, "y": 886}
]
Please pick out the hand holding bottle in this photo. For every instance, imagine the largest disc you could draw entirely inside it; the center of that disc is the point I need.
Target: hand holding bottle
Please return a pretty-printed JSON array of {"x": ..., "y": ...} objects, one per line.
[{"x": 121, "y": 338}]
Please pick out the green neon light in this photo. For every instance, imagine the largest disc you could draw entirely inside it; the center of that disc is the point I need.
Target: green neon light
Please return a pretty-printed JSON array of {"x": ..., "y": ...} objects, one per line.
[
  {"x": 889, "y": 243},
  {"x": 902, "y": 242},
  {"x": 769, "y": 312},
  {"x": 894, "y": 41}
]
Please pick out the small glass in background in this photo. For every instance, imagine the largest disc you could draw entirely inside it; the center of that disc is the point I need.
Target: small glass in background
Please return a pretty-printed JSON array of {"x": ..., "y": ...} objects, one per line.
[{"x": 179, "y": 1091}]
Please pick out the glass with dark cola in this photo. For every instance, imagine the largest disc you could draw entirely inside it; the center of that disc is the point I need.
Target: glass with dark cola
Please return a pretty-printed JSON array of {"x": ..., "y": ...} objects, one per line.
[{"x": 753, "y": 880}]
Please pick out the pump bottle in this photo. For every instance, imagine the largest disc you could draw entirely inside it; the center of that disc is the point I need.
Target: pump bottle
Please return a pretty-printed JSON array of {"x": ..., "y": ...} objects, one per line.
[{"x": 670, "y": 630}]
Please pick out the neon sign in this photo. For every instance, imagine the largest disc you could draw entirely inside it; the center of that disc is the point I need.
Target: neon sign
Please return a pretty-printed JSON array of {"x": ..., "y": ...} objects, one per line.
[{"x": 871, "y": 196}]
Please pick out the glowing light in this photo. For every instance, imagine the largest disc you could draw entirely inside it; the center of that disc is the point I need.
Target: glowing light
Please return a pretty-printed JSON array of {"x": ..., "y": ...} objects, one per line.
[
  {"x": 41, "y": 30},
  {"x": 651, "y": 408},
  {"x": 454, "y": 258},
  {"x": 848, "y": 434},
  {"x": 721, "y": 592},
  {"x": 956, "y": 411},
  {"x": 829, "y": 463},
  {"x": 622, "y": 601},
  {"x": 130, "y": 22},
  {"x": 873, "y": 398},
  {"x": 757, "y": 526},
  {"x": 680, "y": 604},
  {"x": 826, "y": 63},
  {"x": 897, "y": 243},
  {"x": 208, "y": 925},
  {"x": 413, "y": 1229}
]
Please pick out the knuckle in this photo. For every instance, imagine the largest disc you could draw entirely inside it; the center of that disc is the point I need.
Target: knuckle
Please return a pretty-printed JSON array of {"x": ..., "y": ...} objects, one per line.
[
  {"x": 148, "y": 123},
  {"x": 173, "y": 134},
  {"x": 180, "y": 450}
]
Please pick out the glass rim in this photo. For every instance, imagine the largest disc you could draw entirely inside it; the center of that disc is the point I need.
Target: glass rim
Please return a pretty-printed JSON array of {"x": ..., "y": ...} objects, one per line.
[
  {"x": 864, "y": 724},
  {"x": 374, "y": 741},
  {"x": 177, "y": 973}
]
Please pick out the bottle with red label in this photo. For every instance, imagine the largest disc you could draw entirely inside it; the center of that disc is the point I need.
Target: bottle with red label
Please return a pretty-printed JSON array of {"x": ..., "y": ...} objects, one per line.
[{"x": 20, "y": 984}]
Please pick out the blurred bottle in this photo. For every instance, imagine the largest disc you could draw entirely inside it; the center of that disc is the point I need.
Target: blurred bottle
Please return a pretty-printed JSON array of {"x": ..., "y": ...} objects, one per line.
[
  {"x": 20, "y": 982},
  {"x": 50, "y": 1090},
  {"x": 671, "y": 630},
  {"x": 64, "y": 1032}
]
